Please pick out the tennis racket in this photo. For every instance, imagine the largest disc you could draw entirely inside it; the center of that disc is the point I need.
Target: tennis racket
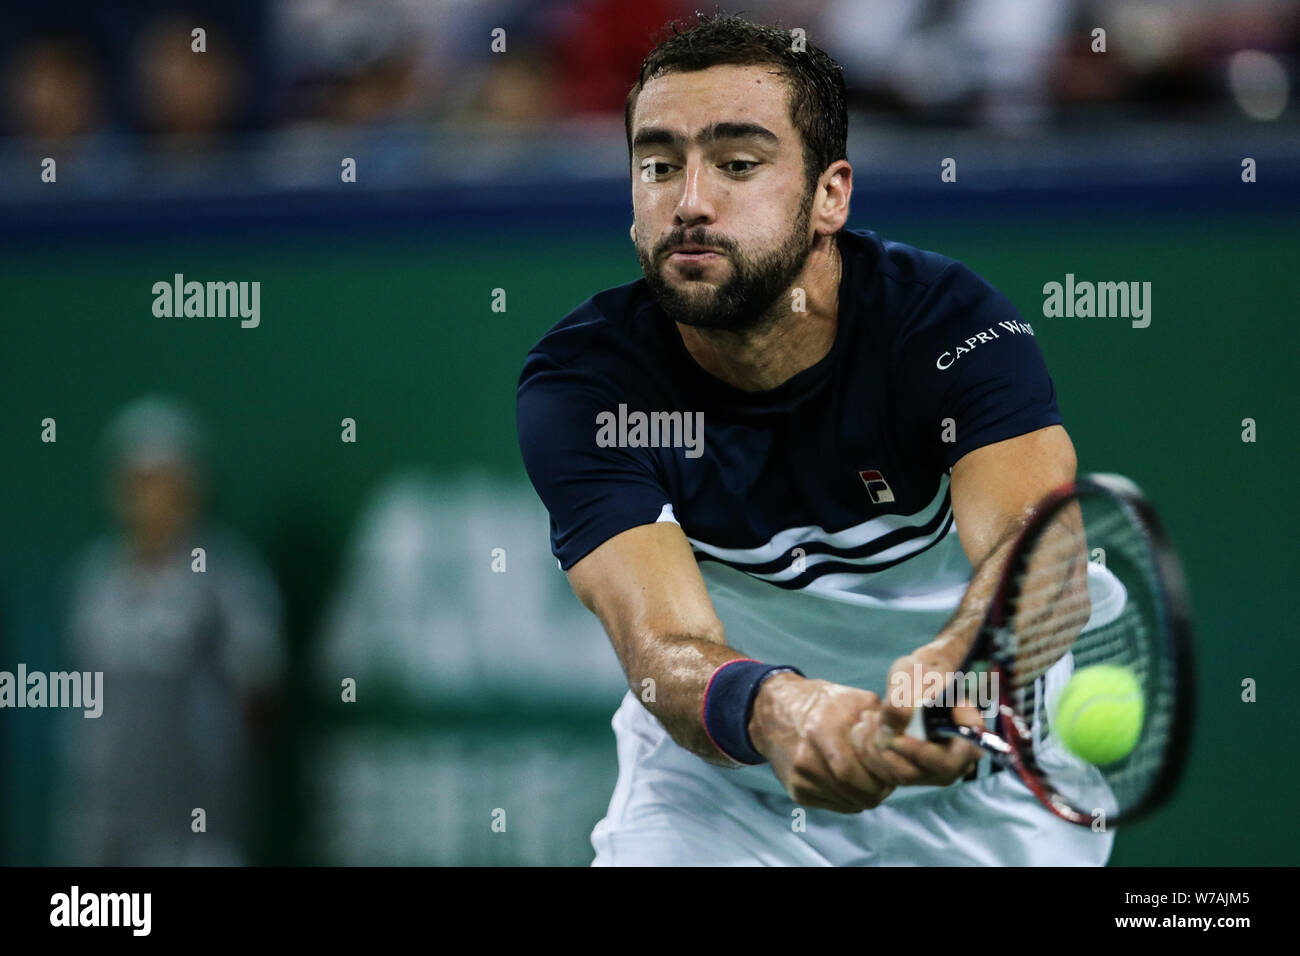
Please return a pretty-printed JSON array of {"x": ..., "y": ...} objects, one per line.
[{"x": 1092, "y": 579}]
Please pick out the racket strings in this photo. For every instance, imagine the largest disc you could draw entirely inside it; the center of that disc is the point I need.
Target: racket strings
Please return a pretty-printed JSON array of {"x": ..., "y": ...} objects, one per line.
[
  {"x": 1057, "y": 618},
  {"x": 1054, "y": 605}
]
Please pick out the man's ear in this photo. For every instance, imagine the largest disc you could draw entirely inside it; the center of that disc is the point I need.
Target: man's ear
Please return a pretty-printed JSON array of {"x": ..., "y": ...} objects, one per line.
[{"x": 632, "y": 232}]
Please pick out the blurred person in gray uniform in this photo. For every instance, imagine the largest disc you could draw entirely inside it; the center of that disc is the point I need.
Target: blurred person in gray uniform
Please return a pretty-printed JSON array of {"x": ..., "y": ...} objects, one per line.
[{"x": 190, "y": 647}]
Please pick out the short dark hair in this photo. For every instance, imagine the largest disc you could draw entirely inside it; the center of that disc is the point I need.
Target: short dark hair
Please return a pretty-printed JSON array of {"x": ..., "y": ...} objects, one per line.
[{"x": 817, "y": 100}]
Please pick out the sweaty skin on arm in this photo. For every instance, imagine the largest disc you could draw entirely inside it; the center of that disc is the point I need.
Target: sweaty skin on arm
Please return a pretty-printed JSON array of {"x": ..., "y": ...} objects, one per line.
[{"x": 645, "y": 587}]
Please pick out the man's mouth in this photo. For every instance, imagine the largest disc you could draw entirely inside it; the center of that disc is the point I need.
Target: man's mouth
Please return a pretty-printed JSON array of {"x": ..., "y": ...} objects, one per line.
[{"x": 693, "y": 253}]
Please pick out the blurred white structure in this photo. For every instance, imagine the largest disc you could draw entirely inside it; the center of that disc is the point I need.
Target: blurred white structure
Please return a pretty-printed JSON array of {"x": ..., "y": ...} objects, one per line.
[{"x": 422, "y": 618}]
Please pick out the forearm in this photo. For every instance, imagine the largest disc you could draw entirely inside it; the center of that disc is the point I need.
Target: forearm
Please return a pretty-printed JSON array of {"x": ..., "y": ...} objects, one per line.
[
  {"x": 956, "y": 637},
  {"x": 644, "y": 586},
  {"x": 1054, "y": 589},
  {"x": 669, "y": 675}
]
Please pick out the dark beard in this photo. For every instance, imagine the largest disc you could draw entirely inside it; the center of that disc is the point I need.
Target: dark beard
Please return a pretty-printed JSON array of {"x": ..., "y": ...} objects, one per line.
[{"x": 743, "y": 301}]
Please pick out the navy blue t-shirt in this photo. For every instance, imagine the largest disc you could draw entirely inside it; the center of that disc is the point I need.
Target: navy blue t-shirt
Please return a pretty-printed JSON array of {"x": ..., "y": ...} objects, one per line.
[{"x": 929, "y": 362}]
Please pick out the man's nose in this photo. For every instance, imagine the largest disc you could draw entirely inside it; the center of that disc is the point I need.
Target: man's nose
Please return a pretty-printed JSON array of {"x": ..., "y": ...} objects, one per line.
[{"x": 696, "y": 204}]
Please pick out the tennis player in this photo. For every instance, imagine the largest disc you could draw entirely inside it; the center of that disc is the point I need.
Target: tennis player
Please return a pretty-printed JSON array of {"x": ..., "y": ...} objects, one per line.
[{"x": 781, "y": 469}]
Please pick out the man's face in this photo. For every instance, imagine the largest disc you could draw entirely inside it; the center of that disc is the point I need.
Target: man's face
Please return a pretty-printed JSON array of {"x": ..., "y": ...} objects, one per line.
[{"x": 718, "y": 163}]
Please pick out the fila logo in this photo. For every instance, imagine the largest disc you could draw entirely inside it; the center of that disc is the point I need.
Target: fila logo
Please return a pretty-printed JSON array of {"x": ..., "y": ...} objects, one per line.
[{"x": 877, "y": 487}]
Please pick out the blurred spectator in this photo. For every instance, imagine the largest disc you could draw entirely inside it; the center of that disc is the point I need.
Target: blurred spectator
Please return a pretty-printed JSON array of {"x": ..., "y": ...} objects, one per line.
[
  {"x": 471, "y": 88},
  {"x": 183, "y": 93},
  {"x": 519, "y": 88},
  {"x": 1176, "y": 56},
  {"x": 190, "y": 659},
  {"x": 370, "y": 61},
  {"x": 349, "y": 62},
  {"x": 981, "y": 61},
  {"x": 57, "y": 105},
  {"x": 52, "y": 88}
]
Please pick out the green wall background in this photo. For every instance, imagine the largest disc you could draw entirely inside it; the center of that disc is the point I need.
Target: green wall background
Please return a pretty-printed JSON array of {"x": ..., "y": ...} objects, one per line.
[{"x": 398, "y": 333}]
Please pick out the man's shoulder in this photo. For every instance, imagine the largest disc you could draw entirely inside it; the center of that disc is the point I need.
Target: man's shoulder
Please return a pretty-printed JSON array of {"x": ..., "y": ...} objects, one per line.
[
  {"x": 895, "y": 262},
  {"x": 597, "y": 334},
  {"x": 907, "y": 289}
]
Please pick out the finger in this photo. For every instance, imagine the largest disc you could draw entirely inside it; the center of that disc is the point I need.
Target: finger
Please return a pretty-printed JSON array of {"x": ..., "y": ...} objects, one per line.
[
  {"x": 808, "y": 790},
  {"x": 844, "y": 774},
  {"x": 946, "y": 754},
  {"x": 924, "y": 762},
  {"x": 968, "y": 716},
  {"x": 883, "y": 762},
  {"x": 944, "y": 759},
  {"x": 845, "y": 758},
  {"x": 952, "y": 760},
  {"x": 891, "y": 766},
  {"x": 873, "y": 731}
]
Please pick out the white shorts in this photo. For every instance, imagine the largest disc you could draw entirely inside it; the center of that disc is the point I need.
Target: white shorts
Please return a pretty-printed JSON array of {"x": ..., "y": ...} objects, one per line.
[{"x": 670, "y": 808}]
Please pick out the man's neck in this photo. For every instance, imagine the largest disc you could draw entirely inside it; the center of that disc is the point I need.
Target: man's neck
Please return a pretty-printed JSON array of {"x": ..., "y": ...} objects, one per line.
[{"x": 786, "y": 342}]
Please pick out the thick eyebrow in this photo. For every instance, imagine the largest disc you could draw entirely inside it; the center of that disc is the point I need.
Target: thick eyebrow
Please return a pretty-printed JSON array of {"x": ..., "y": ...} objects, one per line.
[{"x": 662, "y": 136}]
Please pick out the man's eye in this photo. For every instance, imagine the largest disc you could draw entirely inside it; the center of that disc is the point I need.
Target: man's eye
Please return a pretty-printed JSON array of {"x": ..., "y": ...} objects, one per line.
[
  {"x": 650, "y": 171},
  {"x": 748, "y": 163}
]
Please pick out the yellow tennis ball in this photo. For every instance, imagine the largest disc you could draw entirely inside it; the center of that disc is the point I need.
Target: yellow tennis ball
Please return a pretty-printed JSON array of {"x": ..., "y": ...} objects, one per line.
[{"x": 1099, "y": 714}]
